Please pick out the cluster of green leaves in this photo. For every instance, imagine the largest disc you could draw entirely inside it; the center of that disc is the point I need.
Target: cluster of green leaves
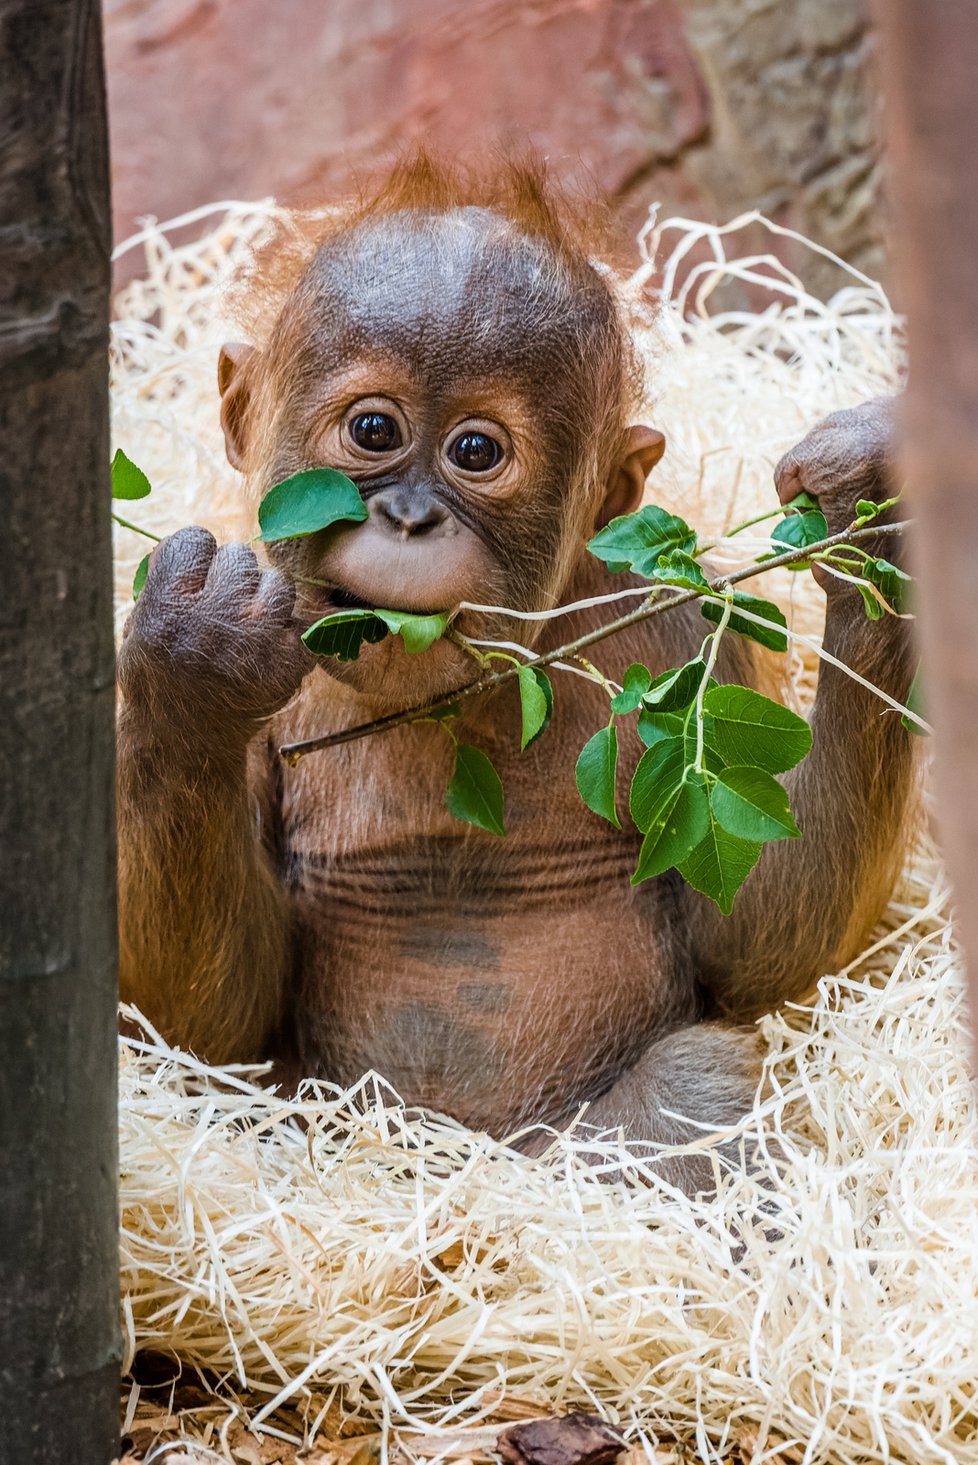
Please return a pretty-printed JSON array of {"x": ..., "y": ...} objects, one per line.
[
  {"x": 805, "y": 526},
  {"x": 705, "y": 794},
  {"x": 662, "y": 548}
]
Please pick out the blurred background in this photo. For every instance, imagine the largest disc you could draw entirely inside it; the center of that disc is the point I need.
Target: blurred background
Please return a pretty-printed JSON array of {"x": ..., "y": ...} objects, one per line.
[{"x": 710, "y": 106}]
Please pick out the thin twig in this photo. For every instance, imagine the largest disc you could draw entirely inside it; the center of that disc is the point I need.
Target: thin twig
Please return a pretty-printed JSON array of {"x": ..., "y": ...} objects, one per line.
[
  {"x": 127, "y": 524},
  {"x": 823, "y": 655},
  {"x": 715, "y": 640},
  {"x": 292, "y": 752}
]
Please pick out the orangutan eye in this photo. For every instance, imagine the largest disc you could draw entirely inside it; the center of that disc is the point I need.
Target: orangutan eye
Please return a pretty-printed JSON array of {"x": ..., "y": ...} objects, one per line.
[
  {"x": 375, "y": 432},
  {"x": 475, "y": 452}
]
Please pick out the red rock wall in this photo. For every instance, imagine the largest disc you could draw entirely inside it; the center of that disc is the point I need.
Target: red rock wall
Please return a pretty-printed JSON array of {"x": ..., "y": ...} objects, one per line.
[{"x": 711, "y": 106}]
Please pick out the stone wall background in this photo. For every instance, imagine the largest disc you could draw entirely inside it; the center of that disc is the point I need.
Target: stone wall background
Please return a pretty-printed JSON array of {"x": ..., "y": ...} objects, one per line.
[{"x": 711, "y": 106}]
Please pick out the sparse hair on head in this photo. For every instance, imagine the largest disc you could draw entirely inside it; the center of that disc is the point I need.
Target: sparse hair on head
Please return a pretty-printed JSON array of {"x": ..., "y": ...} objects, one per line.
[
  {"x": 571, "y": 233},
  {"x": 518, "y": 188}
]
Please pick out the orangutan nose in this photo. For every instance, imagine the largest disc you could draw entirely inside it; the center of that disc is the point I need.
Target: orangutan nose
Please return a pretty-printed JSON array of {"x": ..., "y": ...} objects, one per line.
[{"x": 409, "y": 511}]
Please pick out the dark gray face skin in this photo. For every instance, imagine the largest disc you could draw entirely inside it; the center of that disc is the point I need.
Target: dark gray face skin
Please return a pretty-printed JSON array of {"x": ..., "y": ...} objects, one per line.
[{"x": 452, "y": 327}]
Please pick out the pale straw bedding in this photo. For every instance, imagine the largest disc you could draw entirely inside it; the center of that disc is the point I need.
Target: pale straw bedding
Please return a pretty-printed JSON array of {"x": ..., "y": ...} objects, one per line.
[{"x": 366, "y": 1281}]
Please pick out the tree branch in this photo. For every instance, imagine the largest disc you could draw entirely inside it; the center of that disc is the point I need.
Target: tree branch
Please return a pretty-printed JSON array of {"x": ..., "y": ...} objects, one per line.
[{"x": 292, "y": 752}]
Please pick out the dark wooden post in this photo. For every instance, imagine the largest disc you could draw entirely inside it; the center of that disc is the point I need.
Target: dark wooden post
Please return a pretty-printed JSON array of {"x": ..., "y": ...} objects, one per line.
[
  {"x": 59, "y": 1346},
  {"x": 930, "y": 62}
]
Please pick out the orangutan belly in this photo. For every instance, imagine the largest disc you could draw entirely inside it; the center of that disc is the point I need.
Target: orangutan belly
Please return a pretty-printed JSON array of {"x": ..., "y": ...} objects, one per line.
[{"x": 498, "y": 985}]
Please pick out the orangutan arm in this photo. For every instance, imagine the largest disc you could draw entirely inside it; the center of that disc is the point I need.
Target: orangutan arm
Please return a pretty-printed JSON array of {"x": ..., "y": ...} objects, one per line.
[{"x": 210, "y": 652}]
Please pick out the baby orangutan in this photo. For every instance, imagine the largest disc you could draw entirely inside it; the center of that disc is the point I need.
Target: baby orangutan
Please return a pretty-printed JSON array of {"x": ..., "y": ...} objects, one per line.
[{"x": 457, "y": 354}]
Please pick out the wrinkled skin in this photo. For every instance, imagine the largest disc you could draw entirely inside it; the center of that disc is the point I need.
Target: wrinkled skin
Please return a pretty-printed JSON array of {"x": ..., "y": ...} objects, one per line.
[
  {"x": 846, "y": 457},
  {"x": 335, "y": 917},
  {"x": 214, "y": 638}
]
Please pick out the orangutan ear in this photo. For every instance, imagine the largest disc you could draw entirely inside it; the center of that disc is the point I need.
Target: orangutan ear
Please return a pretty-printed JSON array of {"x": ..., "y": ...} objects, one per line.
[
  {"x": 234, "y": 385},
  {"x": 626, "y": 483}
]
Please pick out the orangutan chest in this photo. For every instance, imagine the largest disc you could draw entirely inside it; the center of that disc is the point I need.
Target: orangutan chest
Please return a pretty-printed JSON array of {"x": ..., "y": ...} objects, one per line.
[{"x": 495, "y": 981}]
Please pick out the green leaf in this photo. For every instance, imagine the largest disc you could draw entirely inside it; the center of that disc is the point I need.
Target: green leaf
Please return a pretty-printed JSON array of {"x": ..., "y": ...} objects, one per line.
[
  {"x": 139, "y": 579},
  {"x": 418, "y": 632},
  {"x": 801, "y": 529},
  {"x": 637, "y": 540},
  {"x": 765, "y": 636},
  {"x": 128, "y": 481},
  {"x": 343, "y": 633},
  {"x": 752, "y": 805},
  {"x": 536, "y": 704},
  {"x": 802, "y": 500},
  {"x": 676, "y": 688},
  {"x": 658, "y": 777},
  {"x": 719, "y": 864},
  {"x": 596, "y": 772},
  {"x": 308, "y": 502},
  {"x": 635, "y": 683},
  {"x": 748, "y": 729},
  {"x": 653, "y": 727},
  {"x": 675, "y": 830},
  {"x": 915, "y": 703},
  {"x": 475, "y": 793},
  {"x": 678, "y": 568},
  {"x": 867, "y": 511},
  {"x": 891, "y": 581},
  {"x": 657, "y": 727},
  {"x": 874, "y": 611}
]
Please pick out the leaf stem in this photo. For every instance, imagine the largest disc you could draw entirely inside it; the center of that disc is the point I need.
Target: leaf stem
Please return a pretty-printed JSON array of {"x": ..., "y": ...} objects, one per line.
[
  {"x": 461, "y": 641},
  {"x": 135, "y": 528},
  {"x": 781, "y": 509},
  {"x": 596, "y": 675},
  {"x": 652, "y": 606},
  {"x": 823, "y": 655},
  {"x": 711, "y": 662}
]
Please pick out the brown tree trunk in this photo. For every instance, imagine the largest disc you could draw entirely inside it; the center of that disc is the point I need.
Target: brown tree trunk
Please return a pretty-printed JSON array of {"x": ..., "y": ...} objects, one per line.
[
  {"x": 59, "y": 1346},
  {"x": 930, "y": 62}
]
